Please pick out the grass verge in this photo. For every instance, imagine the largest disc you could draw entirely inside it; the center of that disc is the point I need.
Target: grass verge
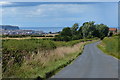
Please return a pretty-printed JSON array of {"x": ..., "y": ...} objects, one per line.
[
  {"x": 45, "y": 63},
  {"x": 110, "y": 46}
]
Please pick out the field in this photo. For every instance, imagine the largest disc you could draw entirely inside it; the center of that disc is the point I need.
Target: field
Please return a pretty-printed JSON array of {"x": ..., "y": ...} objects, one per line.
[
  {"x": 26, "y": 38},
  {"x": 30, "y": 58},
  {"x": 19, "y": 37},
  {"x": 111, "y": 46}
]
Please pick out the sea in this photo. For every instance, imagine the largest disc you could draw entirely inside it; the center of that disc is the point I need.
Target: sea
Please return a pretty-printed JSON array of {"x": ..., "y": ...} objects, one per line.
[{"x": 44, "y": 29}]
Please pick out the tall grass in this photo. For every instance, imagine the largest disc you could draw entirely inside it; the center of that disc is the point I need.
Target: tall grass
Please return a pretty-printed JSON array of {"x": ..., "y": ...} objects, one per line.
[
  {"x": 110, "y": 45},
  {"x": 50, "y": 60},
  {"x": 31, "y": 58}
]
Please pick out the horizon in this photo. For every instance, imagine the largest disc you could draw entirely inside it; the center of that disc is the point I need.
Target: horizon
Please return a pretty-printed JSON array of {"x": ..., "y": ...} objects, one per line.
[{"x": 59, "y": 14}]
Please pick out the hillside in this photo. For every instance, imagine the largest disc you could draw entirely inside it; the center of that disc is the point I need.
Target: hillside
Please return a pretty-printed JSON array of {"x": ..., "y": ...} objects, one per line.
[{"x": 9, "y": 27}]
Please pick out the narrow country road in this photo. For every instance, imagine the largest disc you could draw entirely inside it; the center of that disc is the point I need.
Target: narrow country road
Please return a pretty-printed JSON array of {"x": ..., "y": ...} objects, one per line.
[{"x": 93, "y": 63}]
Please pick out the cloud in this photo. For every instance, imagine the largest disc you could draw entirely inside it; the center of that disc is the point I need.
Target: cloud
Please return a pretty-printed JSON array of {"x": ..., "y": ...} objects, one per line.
[
  {"x": 59, "y": 14},
  {"x": 62, "y": 0},
  {"x": 77, "y": 0},
  {"x": 9, "y": 11},
  {"x": 45, "y": 10},
  {"x": 44, "y": 13},
  {"x": 5, "y": 3},
  {"x": 58, "y": 10}
]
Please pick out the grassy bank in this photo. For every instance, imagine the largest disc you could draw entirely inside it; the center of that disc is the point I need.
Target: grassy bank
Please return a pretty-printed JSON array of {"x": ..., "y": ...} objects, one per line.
[
  {"x": 110, "y": 46},
  {"x": 31, "y": 58}
]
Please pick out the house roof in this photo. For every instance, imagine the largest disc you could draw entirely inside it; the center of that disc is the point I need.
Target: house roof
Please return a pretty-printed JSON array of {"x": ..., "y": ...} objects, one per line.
[{"x": 112, "y": 29}]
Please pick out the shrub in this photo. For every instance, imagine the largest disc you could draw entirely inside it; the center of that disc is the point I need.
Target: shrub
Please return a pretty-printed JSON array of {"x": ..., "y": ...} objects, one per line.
[{"x": 17, "y": 50}]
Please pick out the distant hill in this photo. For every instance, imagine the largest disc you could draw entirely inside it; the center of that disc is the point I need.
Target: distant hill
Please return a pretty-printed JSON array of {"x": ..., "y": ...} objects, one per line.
[{"x": 9, "y": 27}]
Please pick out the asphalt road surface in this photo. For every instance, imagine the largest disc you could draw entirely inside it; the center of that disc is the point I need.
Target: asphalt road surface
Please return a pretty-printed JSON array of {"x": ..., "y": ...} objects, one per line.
[{"x": 93, "y": 63}]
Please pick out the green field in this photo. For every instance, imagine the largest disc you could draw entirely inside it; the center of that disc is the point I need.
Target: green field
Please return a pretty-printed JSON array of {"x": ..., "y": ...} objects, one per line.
[
  {"x": 30, "y": 58},
  {"x": 111, "y": 46}
]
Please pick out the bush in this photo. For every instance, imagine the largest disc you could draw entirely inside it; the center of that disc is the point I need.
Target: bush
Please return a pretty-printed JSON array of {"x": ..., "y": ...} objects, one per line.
[{"x": 17, "y": 50}]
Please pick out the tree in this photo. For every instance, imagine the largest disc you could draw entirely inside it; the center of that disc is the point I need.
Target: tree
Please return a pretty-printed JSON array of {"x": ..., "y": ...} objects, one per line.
[
  {"x": 65, "y": 35},
  {"x": 110, "y": 34},
  {"x": 74, "y": 29},
  {"x": 103, "y": 30},
  {"x": 66, "y": 32},
  {"x": 88, "y": 29},
  {"x": 50, "y": 32},
  {"x": 80, "y": 32}
]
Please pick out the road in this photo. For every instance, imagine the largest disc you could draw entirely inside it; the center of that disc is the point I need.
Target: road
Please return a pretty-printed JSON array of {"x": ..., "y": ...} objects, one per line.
[{"x": 93, "y": 63}]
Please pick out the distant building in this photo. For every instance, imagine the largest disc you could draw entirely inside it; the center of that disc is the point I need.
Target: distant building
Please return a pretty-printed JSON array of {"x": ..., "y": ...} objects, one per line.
[{"x": 113, "y": 30}]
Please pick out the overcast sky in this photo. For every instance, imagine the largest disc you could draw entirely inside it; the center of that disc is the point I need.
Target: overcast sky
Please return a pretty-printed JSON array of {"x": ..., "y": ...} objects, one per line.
[{"x": 54, "y": 14}]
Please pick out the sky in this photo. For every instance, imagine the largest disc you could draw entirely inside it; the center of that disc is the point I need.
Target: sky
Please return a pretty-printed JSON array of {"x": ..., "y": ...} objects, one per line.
[
  {"x": 58, "y": 14},
  {"x": 62, "y": 0}
]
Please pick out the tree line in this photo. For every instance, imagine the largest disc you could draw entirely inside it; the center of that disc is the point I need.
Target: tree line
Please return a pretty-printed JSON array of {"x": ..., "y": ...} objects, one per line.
[{"x": 86, "y": 31}]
